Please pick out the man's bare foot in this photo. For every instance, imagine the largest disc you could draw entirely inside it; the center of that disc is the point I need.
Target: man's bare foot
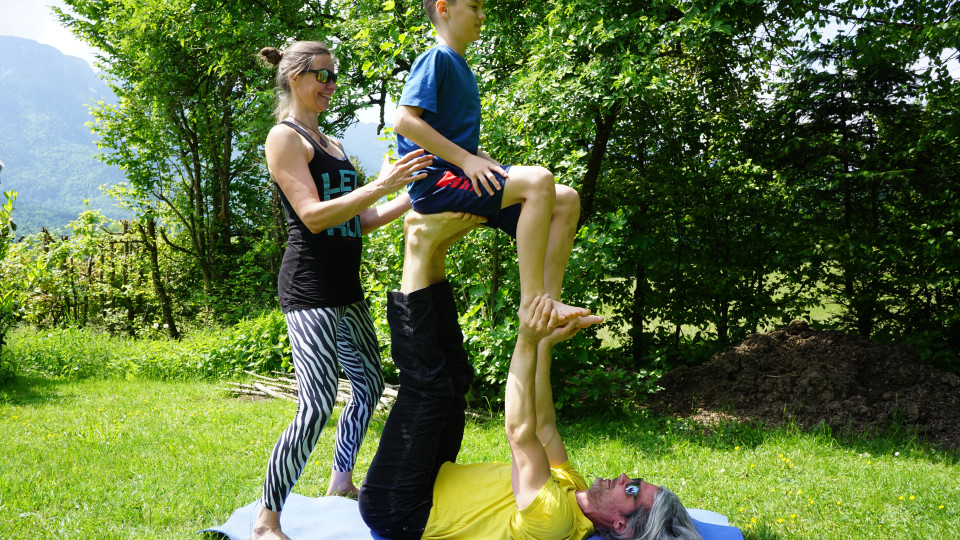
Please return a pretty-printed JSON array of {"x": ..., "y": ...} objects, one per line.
[
  {"x": 267, "y": 526},
  {"x": 444, "y": 228}
]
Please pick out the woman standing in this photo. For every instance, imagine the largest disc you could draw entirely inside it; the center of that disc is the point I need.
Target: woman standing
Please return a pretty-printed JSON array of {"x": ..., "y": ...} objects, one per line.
[{"x": 319, "y": 284}]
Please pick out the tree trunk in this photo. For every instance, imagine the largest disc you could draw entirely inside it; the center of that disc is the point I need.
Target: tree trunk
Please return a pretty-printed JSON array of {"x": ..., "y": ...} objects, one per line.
[
  {"x": 149, "y": 237},
  {"x": 222, "y": 171},
  {"x": 636, "y": 320},
  {"x": 605, "y": 121}
]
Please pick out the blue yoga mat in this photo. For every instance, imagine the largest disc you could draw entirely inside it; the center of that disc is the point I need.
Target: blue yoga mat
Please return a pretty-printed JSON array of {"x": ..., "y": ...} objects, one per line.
[{"x": 338, "y": 518}]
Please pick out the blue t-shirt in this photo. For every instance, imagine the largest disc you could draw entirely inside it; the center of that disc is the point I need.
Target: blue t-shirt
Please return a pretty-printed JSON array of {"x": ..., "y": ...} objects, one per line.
[{"x": 444, "y": 86}]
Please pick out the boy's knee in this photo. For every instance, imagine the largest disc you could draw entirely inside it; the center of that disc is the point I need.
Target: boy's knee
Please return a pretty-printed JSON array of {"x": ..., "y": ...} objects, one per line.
[
  {"x": 544, "y": 174},
  {"x": 541, "y": 182},
  {"x": 567, "y": 198},
  {"x": 566, "y": 205},
  {"x": 544, "y": 178}
]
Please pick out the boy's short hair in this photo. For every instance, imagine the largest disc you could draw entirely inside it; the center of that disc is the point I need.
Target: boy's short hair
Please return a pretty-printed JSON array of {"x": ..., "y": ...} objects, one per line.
[{"x": 430, "y": 6}]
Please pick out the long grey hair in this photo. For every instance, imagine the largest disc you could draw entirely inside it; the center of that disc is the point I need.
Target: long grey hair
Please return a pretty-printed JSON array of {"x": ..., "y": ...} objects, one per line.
[{"x": 667, "y": 519}]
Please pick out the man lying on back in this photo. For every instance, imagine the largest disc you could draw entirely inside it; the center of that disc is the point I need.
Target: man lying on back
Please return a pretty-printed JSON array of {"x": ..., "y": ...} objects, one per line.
[{"x": 414, "y": 489}]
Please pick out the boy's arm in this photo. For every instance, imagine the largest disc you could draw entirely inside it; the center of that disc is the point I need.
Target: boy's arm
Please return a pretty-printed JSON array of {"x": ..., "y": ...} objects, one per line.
[
  {"x": 487, "y": 157},
  {"x": 480, "y": 171}
]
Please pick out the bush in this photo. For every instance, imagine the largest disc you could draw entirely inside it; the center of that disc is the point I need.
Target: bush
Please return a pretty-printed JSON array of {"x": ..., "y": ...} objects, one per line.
[
  {"x": 69, "y": 353},
  {"x": 260, "y": 345},
  {"x": 10, "y": 310}
]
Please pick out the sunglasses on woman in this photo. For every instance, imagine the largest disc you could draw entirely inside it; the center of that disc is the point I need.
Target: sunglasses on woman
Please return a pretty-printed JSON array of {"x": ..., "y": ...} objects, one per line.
[{"x": 323, "y": 75}]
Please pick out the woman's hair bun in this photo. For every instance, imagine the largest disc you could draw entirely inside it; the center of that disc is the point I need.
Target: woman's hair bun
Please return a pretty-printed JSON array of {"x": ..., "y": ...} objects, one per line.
[{"x": 271, "y": 54}]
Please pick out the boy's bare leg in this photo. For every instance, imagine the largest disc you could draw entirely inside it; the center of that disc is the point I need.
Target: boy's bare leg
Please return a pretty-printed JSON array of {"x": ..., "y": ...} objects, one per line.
[
  {"x": 426, "y": 240},
  {"x": 534, "y": 187},
  {"x": 267, "y": 526},
  {"x": 563, "y": 229},
  {"x": 341, "y": 483}
]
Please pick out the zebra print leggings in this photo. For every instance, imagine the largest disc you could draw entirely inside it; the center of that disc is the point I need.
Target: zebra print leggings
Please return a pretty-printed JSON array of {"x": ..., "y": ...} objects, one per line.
[{"x": 319, "y": 338}]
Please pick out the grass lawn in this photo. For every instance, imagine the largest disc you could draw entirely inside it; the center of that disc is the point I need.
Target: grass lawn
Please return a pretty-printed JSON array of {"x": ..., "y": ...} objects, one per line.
[{"x": 139, "y": 459}]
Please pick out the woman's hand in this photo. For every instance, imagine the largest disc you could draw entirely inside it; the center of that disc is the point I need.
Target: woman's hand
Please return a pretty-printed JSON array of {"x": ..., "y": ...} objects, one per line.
[{"x": 394, "y": 176}]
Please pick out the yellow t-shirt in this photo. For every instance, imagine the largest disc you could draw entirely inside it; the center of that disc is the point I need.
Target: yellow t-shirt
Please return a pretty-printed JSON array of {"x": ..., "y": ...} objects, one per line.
[{"x": 476, "y": 501}]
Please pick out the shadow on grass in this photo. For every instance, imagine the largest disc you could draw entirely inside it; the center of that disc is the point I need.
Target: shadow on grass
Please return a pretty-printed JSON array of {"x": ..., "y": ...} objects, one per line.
[
  {"x": 644, "y": 429},
  {"x": 29, "y": 390}
]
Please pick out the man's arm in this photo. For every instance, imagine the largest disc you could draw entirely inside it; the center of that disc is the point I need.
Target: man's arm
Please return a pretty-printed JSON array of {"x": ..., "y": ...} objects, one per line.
[
  {"x": 531, "y": 465},
  {"x": 480, "y": 171},
  {"x": 546, "y": 410}
]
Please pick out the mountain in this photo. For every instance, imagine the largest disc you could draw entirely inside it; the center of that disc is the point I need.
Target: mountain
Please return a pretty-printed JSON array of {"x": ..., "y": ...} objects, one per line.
[
  {"x": 361, "y": 140},
  {"x": 47, "y": 150}
]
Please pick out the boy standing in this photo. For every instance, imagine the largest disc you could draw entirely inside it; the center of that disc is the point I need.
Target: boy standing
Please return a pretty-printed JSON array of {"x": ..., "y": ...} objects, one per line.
[{"x": 439, "y": 111}]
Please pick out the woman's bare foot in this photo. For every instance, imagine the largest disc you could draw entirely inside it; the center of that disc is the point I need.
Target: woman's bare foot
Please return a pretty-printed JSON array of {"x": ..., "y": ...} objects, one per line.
[
  {"x": 341, "y": 484},
  {"x": 267, "y": 526},
  {"x": 352, "y": 492}
]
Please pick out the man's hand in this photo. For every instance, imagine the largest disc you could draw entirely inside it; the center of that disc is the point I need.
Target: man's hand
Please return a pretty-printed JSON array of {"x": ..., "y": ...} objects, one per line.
[
  {"x": 570, "y": 329},
  {"x": 540, "y": 321},
  {"x": 480, "y": 172}
]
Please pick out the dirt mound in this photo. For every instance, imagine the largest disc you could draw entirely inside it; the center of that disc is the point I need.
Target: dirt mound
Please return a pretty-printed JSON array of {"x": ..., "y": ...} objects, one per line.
[{"x": 810, "y": 376}]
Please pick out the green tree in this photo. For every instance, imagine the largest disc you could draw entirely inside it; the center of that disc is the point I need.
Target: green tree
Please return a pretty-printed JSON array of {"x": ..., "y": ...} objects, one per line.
[
  {"x": 193, "y": 107},
  {"x": 9, "y": 297},
  {"x": 853, "y": 127}
]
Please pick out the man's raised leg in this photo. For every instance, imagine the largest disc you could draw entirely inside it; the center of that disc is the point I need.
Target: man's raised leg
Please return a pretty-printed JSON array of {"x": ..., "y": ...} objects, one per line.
[
  {"x": 396, "y": 496},
  {"x": 429, "y": 237}
]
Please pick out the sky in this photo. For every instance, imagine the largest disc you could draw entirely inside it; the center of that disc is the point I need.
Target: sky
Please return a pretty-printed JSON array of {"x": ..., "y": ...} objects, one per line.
[{"x": 34, "y": 19}]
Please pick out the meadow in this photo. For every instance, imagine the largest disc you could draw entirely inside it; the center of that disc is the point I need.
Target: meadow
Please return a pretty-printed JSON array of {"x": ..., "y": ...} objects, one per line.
[{"x": 121, "y": 458}]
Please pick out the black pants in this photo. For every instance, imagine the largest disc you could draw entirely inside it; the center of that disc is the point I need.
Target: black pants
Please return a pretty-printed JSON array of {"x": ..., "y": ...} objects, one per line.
[{"x": 425, "y": 426}]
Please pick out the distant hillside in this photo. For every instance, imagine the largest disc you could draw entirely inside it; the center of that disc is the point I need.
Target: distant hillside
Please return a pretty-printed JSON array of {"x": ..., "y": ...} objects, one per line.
[
  {"x": 47, "y": 151},
  {"x": 361, "y": 140}
]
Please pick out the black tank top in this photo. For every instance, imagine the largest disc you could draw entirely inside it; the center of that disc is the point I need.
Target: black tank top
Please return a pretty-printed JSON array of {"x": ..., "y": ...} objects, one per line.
[{"x": 321, "y": 270}]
